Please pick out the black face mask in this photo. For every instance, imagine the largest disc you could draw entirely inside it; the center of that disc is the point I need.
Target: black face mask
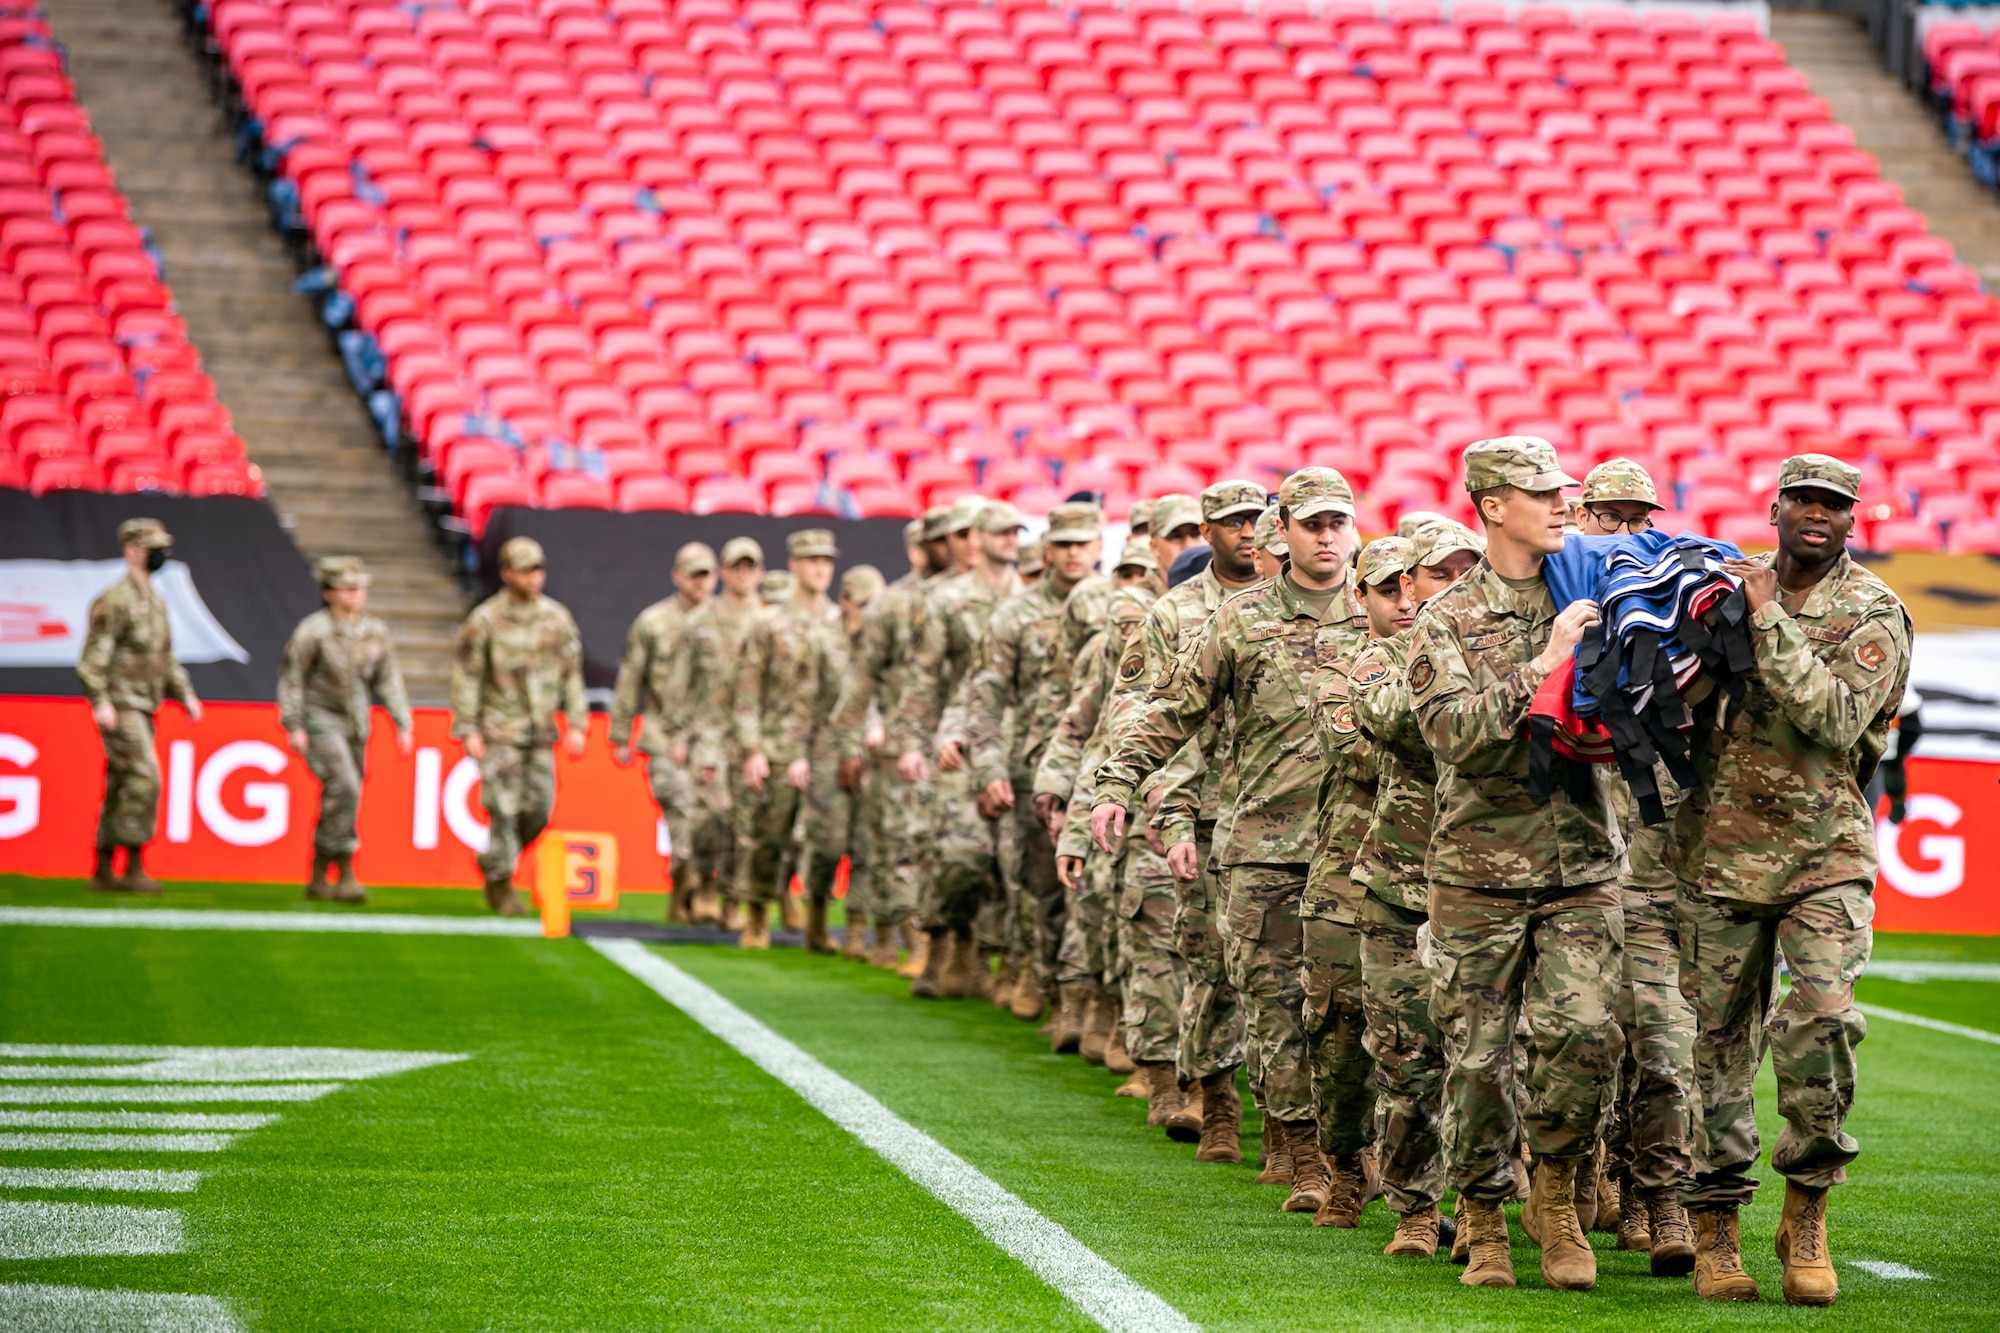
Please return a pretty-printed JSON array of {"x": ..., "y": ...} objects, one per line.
[{"x": 156, "y": 558}]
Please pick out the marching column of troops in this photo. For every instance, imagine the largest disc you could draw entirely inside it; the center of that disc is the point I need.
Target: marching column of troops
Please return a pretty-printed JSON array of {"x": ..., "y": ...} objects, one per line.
[{"x": 1276, "y": 818}]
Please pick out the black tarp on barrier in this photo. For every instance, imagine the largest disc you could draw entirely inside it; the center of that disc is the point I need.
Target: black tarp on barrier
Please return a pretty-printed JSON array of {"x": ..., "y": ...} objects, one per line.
[
  {"x": 608, "y": 567},
  {"x": 248, "y": 572}
]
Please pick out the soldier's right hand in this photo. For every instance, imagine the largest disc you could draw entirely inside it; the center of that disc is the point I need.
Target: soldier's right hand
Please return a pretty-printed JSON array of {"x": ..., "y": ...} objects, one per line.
[
  {"x": 850, "y": 776},
  {"x": 107, "y": 717},
  {"x": 756, "y": 770},
  {"x": 299, "y": 740},
  {"x": 621, "y": 755},
  {"x": 1069, "y": 869},
  {"x": 1107, "y": 825},
  {"x": 1049, "y": 809},
  {"x": 950, "y": 757},
  {"x": 475, "y": 747},
  {"x": 912, "y": 766},
  {"x": 1182, "y": 860},
  {"x": 1567, "y": 632},
  {"x": 678, "y": 754}
]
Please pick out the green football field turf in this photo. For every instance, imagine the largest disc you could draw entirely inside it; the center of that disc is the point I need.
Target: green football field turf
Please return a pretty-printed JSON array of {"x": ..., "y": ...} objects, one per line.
[{"x": 601, "y": 1161}]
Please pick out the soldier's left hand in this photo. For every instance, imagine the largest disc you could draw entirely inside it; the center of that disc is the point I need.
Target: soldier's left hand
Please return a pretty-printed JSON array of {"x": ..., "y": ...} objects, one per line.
[
  {"x": 1107, "y": 826},
  {"x": 299, "y": 740},
  {"x": 850, "y": 776},
  {"x": 1069, "y": 869},
  {"x": 406, "y": 743},
  {"x": 799, "y": 773},
  {"x": 1155, "y": 841},
  {"x": 621, "y": 755},
  {"x": 193, "y": 707},
  {"x": 873, "y": 737},
  {"x": 574, "y": 742},
  {"x": 1049, "y": 809},
  {"x": 756, "y": 771},
  {"x": 1000, "y": 794},
  {"x": 1183, "y": 861},
  {"x": 950, "y": 757},
  {"x": 1760, "y": 581}
]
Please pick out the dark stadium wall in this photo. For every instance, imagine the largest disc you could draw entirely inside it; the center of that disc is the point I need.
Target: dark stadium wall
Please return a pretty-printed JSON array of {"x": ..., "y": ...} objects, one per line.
[
  {"x": 245, "y": 568},
  {"x": 608, "y": 567}
]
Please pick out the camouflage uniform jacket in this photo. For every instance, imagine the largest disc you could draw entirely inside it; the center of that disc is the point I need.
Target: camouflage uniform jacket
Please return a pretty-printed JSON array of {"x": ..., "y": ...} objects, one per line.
[
  {"x": 1171, "y": 630},
  {"x": 653, "y": 678},
  {"x": 1259, "y": 653},
  {"x": 1778, "y": 811},
  {"x": 1067, "y": 756},
  {"x": 128, "y": 651},
  {"x": 788, "y": 679},
  {"x": 932, "y": 708},
  {"x": 330, "y": 667},
  {"x": 516, "y": 667},
  {"x": 1472, "y": 674},
  {"x": 880, "y": 662},
  {"x": 1347, "y": 787},
  {"x": 1390, "y": 864},
  {"x": 1013, "y": 677},
  {"x": 713, "y": 647}
]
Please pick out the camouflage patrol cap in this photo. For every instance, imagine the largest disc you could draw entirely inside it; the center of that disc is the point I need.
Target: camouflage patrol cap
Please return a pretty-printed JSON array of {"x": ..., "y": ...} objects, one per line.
[
  {"x": 1031, "y": 559},
  {"x": 1620, "y": 479},
  {"x": 522, "y": 553},
  {"x": 1573, "y": 513},
  {"x": 339, "y": 573},
  {"x": 1175, "y": 511},
  {"x": 998, "y": 516},
  {"x": 1527, "y": 462},
  {"x": 1384, "y": 558},
  {"x": 1438, "y": 540},
  {"x": 694, "y": 558},
  {"x": 913, "y": 532},
  {"x": 937, "y": 523},
  {"x": 860, "y": 584},
  {"x": 147, "y": 532},
  {"x": 1269, "y": 536},
  {"x": 807, "y": 543},
  {"x": 1232, "y": 497},
  {"x": 1139, "y": 518},
  {"x": 738, "y": 549},
  {"x": 964, "y": 514},
  {"x": 776, "y": 585},
  {"x": 1138, "y": 554},
  {"x": 1075, "y": 521},
  {"x": 1415, "y": 521},
  {"x": 1316, "y": 490},
  {"x": 1821, "y": 473}
]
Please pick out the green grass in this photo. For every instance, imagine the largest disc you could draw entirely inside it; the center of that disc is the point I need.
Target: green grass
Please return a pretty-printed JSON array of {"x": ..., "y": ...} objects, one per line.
[{"x": 603, "y": 1162}]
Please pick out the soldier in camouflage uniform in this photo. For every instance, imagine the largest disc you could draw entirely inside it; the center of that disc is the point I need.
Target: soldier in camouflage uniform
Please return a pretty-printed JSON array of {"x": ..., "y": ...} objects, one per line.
[
  {"x": 842, "y": 820},
  {"x": 875, "y": 674},
  {"x": 333, "y": 661},
  {"x": 128, "y": 669},
  {"x": 1525, "y": 911},
  {"x": 712, "y": 647},
  {"x": 1402, "y": 1040},
  {"x": 1032, "y": 562},
  {"x": 1648, "y": 1144},
  {"x": 1414, "y": 521},
  {"x": 1271, "y": 548},
  {"x": 1013, "y": 679},
  {"x": 931, "y": 716},
  {"x": 1255, "y": 658},
  {"x": 519, "y": 662},
  {"x": 776, "y": 587},
  {"x": 1777, "y": 853},
  {"x": 787, "y": 681},
  {"x": 653, "y": 685}
]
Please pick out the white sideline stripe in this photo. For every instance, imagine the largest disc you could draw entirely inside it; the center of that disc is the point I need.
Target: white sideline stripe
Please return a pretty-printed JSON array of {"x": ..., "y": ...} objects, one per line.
[
  {"x": 1108, "y": 1296},
  {"x": 131, "y": 1120},
  {"x": 174, "y": 918},
  {"x": 58, "y": 1094},
  {"x": 35, "y": 1308},
  {"x": 54, "y": 1230},
  {"x": 1934, "y": 1024},
  {"x": 217, "y": 1064},
  {"x": 84, "y": 1178},
  {"x": 115, "y": 1142},
  {"x": 1888, "y": 1268},
  {"x": 1890, "y": 969}
]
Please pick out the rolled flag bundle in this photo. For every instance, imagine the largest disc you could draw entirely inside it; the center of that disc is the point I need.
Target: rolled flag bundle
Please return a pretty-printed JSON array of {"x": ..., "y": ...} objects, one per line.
[{"x": 1672, "y": 626}]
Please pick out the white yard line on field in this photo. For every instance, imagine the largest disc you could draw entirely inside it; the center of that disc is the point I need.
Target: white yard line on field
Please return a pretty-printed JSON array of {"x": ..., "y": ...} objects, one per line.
[
  {"x": 1894, "y": 969},
  {"x": 66, "y": 1094},
  {"x": 88, "y": 1178},
  {"x": 1101, "y": 1291},
  {"x": 173, "y": 918},
  {"x": 1888, "y": 1268},
  {"x": 52, "y": 1230},
  {"x": 116, "y": 1142},
  {"x": 34, "y": 1308},
  {"x": 1934, "y": 1024},
  {"x": 131, "y": 1120}
]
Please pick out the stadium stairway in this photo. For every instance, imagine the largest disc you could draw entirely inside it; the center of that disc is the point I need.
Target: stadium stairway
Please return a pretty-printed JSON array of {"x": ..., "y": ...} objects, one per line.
[
  {"x": 1834, "y": 53},
  {"x": 323, "y": 465}
]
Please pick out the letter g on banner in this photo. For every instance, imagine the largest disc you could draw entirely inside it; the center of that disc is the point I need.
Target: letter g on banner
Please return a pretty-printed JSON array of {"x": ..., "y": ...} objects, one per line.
[
  {"x": 1945, "y": 852},
  {"x": 20, "y": 793},
  {"x": 270, "y": 801}
]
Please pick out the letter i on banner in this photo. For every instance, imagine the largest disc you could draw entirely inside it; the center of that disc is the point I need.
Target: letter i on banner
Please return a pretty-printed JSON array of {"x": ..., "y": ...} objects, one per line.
[{"x": 574, "y": 872}]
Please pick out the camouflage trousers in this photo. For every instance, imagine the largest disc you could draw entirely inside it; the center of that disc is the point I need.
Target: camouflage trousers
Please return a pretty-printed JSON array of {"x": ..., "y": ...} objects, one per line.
[
  {"x": 965, "y": 862},
  {"x": 767, "y": 844},
  {"x": 131, "y": 782},
  {"x": 338, "y": 761},
  {"x": 1408, "y": 1053},
  {"x": 673, "y": 792},
  {"x": 517, "y": 785},
  {"x": 902, "y": 862},
  {"x": 1089, "y": 949},
  {"x": 838, "y": 823},
  {"x": 1041, "y": 903},
  {"x": 1265, "y": 955},
  {"x": 1729, "y": 970},
  {"x": 1211, "y": 1019},
  {"x": 1153, "y": 973},
  {"x": 1337, "y": 1060},
  {"x": 1648, "y": 1141},
  {"x": 1555, "y": 956},
  {"x": 714, "y": 832}
]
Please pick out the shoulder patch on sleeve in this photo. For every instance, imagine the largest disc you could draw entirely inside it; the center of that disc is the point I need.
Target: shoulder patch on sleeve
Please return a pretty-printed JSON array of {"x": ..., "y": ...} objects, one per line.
[
  {"x": 1422, "y": 674},
  {"x": 1342, "y": 718},
  {"x": 1371, "y": 673},
  {"x": 1872, "y": 653},
  {"x": 1133, "y": 664}
]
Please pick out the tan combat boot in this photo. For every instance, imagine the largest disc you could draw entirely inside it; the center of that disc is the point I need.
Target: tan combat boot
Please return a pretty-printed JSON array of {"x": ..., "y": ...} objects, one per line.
[
  {"x": 916, "y": 949},
  {"x": 677, "y": 906},
  {"x": 1669, "y": 1233},
  {"x": 1610, "y": 1198},
  {"x": 1586, "y": 1190},
  {"x": 790, "y": 914},
  {"x": 1718, "y": 1258},
  {"x": 1802, "y": 1249},
  {"x": 1461, "y": 1239},
  {"x": 1029, "y": 999},
  {"x": 1004, "y": 984},
  {"x": 103, "y": 879},
  {"x": 1068, "y": 1033},
  {"x": 1163, "y": 1092},
  {"x": 1549, "y": 1217},
  {"x": 317, "y": 889},
  {"x": 982, "y": 984},
  {"x": 1277, "y": 1155},
  {"x": 705, "y": 906},
  {"x": 928, "y": 983},
  {"x": 854, "y": 940},
  {"x": 756, "y": 931},
  {"x": 1312, "y": 1174},
  {"x": 732, "y": 915},
  {"x": 1635, "y": 1220},
  {"x": 1184, "y": 1125},
  {"x": 135, "y": 879},
  {"x": 955, "y": 981},
  {"x": 1221, "y": 1119},
  {"x": 507, "y": 900},
  {"x": 882, "y": 953},
  {"x": 1483, "y": 1224},
  {"x": 1117, "y": 1059},
  {"x": 346, "y": 888},
  {"x": 1416, "y": 1235},
  {"x": 818, "y": 938},
  {"x": 1522, "y": 1174},
  {"x": 1099, "y": 1018},
  {"x": 1347, "y": 1194}
]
